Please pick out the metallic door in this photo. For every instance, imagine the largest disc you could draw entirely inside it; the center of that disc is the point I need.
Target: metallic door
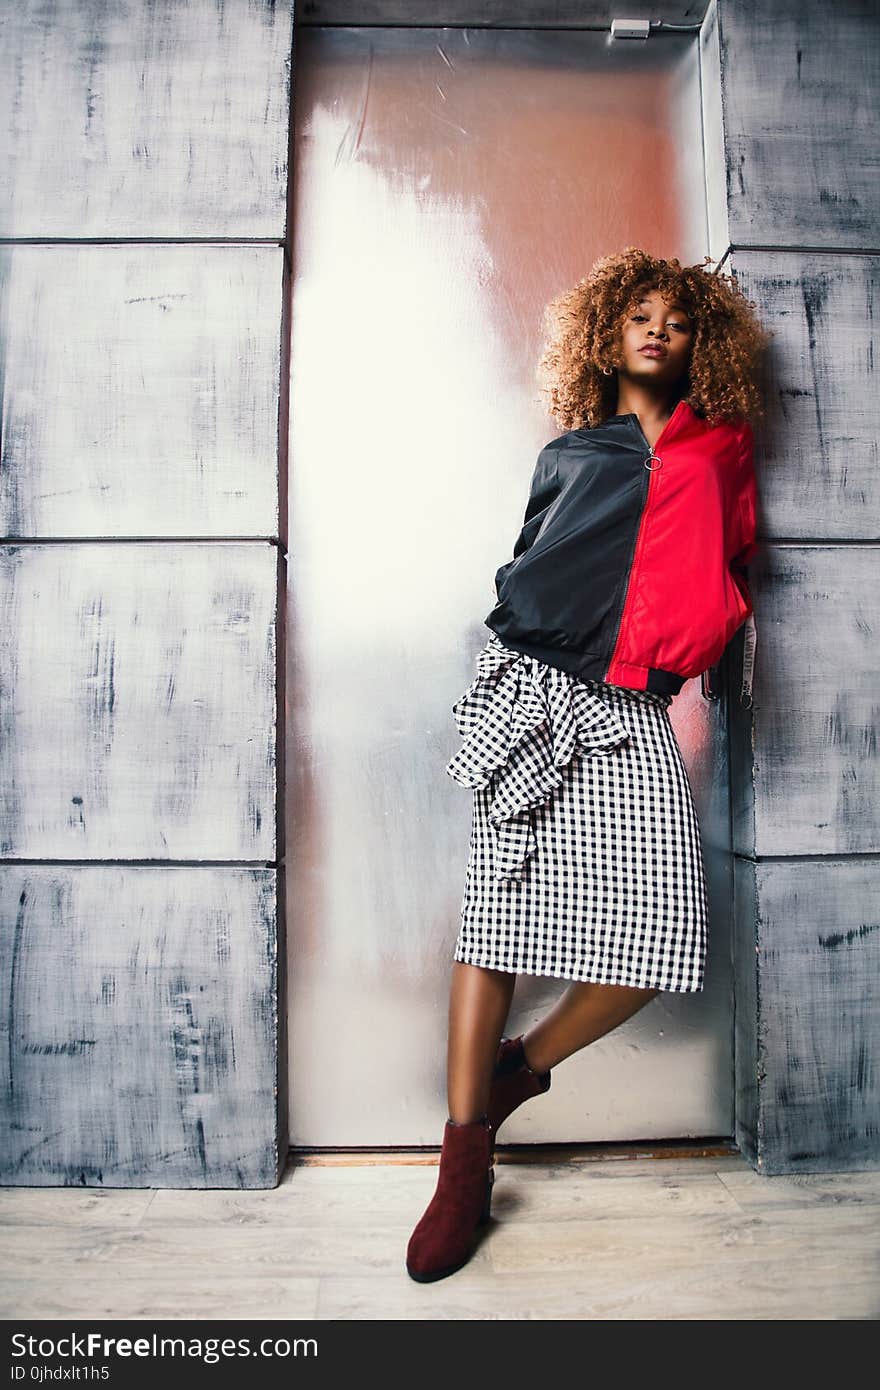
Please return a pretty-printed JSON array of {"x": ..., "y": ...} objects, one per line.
[{"x": 447, "y": 183}]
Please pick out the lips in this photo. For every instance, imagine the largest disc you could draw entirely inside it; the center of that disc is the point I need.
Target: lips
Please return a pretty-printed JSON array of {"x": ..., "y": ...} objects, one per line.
[{"x": 651, "y": 351}]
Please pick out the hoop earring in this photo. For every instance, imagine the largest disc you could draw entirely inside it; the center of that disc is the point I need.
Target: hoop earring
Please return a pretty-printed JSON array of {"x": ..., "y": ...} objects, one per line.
[{"x": 608, "y": 371}]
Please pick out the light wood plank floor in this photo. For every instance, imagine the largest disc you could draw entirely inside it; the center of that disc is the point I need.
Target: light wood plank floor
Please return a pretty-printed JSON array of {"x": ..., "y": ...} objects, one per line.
[{"x": 643, "y": 1238}]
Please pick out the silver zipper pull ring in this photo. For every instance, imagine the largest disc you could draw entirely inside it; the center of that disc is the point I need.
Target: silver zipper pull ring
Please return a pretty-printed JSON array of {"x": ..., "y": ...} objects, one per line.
[{"x": 659, "y": 463}]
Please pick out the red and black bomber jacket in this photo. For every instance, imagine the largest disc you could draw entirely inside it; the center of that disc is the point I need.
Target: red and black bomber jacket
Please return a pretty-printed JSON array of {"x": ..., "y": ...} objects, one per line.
[{"x": 630, "y": 567}]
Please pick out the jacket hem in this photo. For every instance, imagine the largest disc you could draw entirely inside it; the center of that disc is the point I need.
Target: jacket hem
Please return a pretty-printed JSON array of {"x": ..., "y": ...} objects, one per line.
[
  {"x": 651, "y": 678},
  {"x": 595, "y": 667}
]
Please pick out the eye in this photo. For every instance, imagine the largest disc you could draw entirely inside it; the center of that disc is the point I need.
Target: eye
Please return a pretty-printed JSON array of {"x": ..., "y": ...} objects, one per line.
[{"x": 682, "y": 328}]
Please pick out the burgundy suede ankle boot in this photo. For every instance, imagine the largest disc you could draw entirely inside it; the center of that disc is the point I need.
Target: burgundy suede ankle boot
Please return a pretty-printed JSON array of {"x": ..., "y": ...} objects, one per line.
[
  {"x": 513, "y": 1082},
  {"x": 445, "y": 1237}
]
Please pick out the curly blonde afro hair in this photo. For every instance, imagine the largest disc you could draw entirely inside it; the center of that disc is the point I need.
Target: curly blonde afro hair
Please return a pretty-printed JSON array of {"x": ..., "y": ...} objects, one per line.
[{"x": 584, "y": 332}]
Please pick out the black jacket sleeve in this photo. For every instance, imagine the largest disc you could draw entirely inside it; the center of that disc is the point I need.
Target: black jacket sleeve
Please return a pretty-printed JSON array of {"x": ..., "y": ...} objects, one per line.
[{"x": 543, "y": 489}]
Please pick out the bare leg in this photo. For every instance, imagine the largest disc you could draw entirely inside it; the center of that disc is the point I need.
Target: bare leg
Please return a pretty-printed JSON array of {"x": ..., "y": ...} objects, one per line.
[
  {"x": 479, "y": 1001},
  {"x": 582, "y": 1014}
]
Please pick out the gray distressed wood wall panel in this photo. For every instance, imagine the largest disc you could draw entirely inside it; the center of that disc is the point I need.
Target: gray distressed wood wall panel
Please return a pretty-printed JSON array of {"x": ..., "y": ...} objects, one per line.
[
  {"x": 144, "y": 118},
  {"x": 801, "y": 90},
  {"x": 802, "y": 208},
  {"x": 144, "y": 357},
  {"x": 746, "y": 966},
  {"x": 813, "y": 929},
  {"x": 810, "y": 768},
  {"x": 819, "y": 449},
  {"x": 141, "y": 390},
  {"x": 139, "y": 1036},
  {"x": 139, "y": 715}
]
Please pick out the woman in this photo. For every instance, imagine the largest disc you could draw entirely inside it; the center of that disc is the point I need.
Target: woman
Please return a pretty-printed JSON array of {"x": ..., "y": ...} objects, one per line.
[{"x": 628, "y": 577}]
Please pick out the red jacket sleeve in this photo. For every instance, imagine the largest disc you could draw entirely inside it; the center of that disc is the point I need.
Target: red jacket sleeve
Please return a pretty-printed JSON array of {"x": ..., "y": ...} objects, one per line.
[
  {"x": 745, "y": 521},
  {"x": 747, "y": 501}
]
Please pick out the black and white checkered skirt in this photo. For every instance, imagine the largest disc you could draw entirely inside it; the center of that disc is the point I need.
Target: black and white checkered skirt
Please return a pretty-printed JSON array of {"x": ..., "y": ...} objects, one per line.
[{"x": 585, "y": 855}]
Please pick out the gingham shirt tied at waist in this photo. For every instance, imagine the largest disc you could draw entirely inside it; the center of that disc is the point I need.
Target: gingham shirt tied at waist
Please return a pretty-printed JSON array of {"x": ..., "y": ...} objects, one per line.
[{"x": 523, "y": 720}]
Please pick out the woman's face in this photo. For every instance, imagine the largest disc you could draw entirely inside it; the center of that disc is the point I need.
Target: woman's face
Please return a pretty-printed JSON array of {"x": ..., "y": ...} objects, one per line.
[{"x": 654, "y": 321}]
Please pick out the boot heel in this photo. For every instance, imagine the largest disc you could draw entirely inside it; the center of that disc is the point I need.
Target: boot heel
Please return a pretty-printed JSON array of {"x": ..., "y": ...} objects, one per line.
[{"x": 486, "y": 1212}]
